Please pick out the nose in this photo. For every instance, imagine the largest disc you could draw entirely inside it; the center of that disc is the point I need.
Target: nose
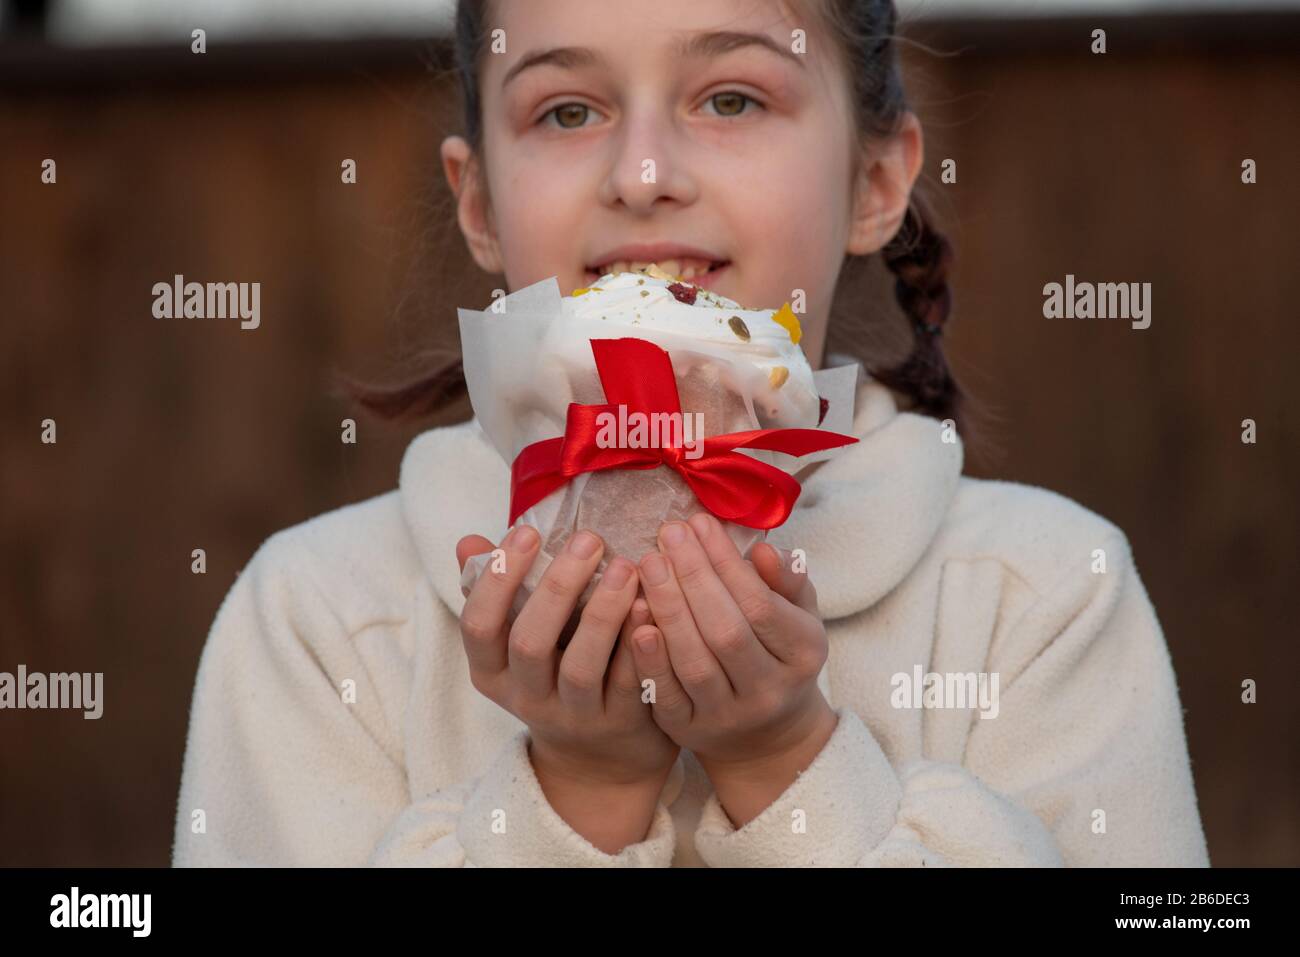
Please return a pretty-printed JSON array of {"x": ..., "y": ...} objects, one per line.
[{"x": 647, "y": 163}]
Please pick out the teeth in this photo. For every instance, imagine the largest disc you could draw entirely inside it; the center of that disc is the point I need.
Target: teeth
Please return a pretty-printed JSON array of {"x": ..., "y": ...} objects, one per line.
[
  {"x": 682, "y": 268},
  {"x": 654, "y": 271}
]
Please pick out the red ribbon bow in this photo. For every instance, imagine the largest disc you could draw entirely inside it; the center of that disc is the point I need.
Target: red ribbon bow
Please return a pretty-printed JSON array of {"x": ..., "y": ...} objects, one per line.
[{"x": 638, "y": 374}]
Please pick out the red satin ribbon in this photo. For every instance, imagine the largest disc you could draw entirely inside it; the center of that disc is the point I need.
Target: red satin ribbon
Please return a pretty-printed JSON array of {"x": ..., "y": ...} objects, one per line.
[{"x": 638, "y": 374}]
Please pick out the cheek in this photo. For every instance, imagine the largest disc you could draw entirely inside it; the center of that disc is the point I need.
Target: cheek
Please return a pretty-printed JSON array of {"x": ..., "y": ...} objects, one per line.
[
  {"x": 788, "y": 193},
  {"x": 537, "y": 212},
  {"x": 793, "y": 238},
  {"x": 788, "y": 222}
]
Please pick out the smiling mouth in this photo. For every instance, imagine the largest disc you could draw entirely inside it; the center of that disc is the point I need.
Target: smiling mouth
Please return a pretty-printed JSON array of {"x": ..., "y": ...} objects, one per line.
[{"x": 686, "y": 269}]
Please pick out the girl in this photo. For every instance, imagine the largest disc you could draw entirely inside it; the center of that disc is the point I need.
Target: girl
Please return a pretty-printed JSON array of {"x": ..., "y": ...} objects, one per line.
[{"x": 948, "y": 671}]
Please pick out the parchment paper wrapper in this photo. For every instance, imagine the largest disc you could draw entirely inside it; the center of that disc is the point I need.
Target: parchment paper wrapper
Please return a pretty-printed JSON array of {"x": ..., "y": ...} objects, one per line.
[{"x": 523, "y": 369}]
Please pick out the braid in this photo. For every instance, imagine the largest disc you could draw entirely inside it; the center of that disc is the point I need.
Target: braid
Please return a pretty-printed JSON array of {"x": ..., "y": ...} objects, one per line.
[{"x": 919, "y": 257}]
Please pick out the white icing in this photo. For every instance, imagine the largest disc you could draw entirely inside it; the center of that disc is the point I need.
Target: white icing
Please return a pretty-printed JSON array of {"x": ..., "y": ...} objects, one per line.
[
  {"x": 643, "y": 306},
  {"x": 619, "y": 298}
]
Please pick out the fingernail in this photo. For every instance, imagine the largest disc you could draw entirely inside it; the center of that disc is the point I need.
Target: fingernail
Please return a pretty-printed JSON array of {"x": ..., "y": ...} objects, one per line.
[
  {"x": 521, "y": 537},
  {"x": 656, "y": 569},
  {"x": 700, "y": 522},
  {"x": 618, "y": 572},
  {"x": 583, "y": 544},
  {"x": 674, "y": 533},
  {"x": 648, "y": 642}
]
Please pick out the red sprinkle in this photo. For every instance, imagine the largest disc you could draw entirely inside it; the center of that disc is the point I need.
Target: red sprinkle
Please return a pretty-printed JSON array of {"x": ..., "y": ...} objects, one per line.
[
  {"x": 826, "y": 404},
  {"x": 684, "y": 293}
]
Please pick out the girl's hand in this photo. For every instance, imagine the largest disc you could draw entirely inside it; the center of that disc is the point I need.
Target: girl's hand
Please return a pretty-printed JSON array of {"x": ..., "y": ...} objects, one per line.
[
  {"x": 735, "y": 662},
  {"x": 588, "y": 729}
]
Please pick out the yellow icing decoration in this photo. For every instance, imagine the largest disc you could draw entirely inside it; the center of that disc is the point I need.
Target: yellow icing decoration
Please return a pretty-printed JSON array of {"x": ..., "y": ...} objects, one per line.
[
  {"x": 579, "y": 292},
  {"x": 786, "y": 317}
]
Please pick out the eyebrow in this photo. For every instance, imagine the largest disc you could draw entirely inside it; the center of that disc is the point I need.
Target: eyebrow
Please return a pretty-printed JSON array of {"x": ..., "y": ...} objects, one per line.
[
  {"x": 569, "y": 58},
  {"x": 719, "y": 42},
  {"x": 696, "y": 45}
]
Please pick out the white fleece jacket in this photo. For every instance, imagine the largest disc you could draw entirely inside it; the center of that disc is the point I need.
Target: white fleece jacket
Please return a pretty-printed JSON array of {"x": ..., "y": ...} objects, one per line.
[{"x": 334, "y": 723}]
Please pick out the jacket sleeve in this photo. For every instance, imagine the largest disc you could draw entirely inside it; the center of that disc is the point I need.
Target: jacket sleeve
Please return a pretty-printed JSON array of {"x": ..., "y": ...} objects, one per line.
[
  {"x": 281, "y": 770},
  {"x": 1085, "y": 764}
]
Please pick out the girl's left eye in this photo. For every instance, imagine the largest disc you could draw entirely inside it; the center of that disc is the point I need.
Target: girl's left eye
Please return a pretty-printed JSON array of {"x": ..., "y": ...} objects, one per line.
[
  {"x": 731, "y": 102},
  {"x": 568, "y": 116}
]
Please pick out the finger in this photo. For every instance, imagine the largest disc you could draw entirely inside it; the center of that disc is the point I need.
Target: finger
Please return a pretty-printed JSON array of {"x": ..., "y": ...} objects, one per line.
[
  {"x": 778, "y": 570},
  {"x": 535, "y": 633},
  {"x": 697, "y": 669},
  {"x": 581, "y": 682},
  {"x": 769, "y": 614},
  {"x": 469, "y": 546},
  {"x": 672, "y": 706},
  {"x": 623, "y": 691},
  {"x": 483, "y": 619},
  {"x": 720, "y": 621}
]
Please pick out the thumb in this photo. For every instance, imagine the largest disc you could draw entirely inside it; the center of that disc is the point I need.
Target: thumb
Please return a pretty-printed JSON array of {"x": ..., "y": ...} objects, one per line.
[
  {"x": 469, "y": 546},
  {"x": 775, "y": 567}
]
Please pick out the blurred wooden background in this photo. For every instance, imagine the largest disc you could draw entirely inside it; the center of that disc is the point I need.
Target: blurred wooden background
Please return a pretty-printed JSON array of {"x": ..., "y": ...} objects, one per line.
[{"x": 175, "y": 435}]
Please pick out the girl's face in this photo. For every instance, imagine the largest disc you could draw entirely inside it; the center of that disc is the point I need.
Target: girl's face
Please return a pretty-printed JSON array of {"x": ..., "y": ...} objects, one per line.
[{"x": 704, "y": 132}]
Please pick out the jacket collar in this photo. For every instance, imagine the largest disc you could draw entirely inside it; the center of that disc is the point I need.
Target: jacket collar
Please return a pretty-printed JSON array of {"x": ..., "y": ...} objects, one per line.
[{"x": 864, "y": 518}]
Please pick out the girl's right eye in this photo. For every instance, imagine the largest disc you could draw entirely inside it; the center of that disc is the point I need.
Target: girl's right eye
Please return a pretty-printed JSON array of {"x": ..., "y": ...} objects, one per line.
[{"x": 568, "y": 116}]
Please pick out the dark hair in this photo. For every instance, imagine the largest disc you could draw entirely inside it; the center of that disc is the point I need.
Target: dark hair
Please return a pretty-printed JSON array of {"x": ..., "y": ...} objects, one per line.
[{"x": 918, "y": 256}]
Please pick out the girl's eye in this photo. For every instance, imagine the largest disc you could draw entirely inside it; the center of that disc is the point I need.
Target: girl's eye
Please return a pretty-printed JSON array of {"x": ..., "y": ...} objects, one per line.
[
  {"x": 573, "y": 116},
  {"x": 568, "y": 116},
  {"x": 731, "y": 102}
]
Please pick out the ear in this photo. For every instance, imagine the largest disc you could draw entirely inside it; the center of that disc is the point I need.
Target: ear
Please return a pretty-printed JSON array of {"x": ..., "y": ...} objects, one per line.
[
  {"x": 883, "y": 187},
  {"x": 473, "y": 213}
]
